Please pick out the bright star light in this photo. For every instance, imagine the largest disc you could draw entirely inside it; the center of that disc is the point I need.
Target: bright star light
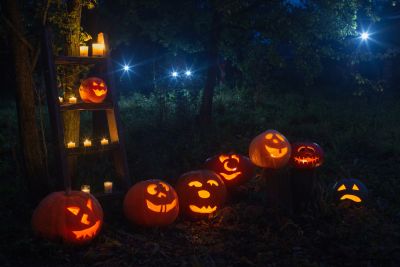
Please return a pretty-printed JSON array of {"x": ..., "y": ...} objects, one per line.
[
  {"x": 364, "y": 36},
  {"x": 188, "y": 73},
  {"x": 174, "y": 74},
  {"x": 126, "y": 68}
]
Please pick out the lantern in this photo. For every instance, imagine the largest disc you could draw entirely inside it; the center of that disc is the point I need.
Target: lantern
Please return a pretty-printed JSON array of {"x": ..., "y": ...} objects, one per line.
[
  {"x": 350, "y": 190},
  {"x": 234, "y": 169},
  {"x": 201, "y": 193},
  {"x": 306, "y": 155},
  {"x": 151, "y": 203},
  {"x": 270, "y": 150},
  {"x": 93, "y": 90},
  {"x": 75, "y": 218}
]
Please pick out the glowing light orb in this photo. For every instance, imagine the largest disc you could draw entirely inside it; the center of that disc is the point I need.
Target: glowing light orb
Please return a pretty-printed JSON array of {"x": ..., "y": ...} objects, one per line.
[{"x": 364, "y": 36}]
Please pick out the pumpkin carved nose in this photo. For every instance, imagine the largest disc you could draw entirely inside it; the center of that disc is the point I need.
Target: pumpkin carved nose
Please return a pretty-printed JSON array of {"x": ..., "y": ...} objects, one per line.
[
  {"x": 204, "y": 194},
  {"x": 161, "y": 194}
]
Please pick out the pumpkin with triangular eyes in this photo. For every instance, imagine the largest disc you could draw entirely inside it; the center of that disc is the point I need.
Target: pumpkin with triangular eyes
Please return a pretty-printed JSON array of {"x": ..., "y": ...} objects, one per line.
[
  {"x": 234, "y": 169},
  {"x": 93, "y": 90},
  {"x": 201, "y": 193},
  {"x": 306, "y": 155},
  {"x": 350, "y": 190},
  {"x": 151, "y": 203},
  {"x": 75, "y": 217},
  {"x": 270, "y": 149}
]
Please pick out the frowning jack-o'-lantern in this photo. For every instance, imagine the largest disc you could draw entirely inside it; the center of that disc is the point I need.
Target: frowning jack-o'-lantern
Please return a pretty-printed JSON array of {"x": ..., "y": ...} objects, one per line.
[
  {"x": 151, "y": 203},
  {"x": 350, "y": 191},
  {"x": 75, "y": 217},
  {"x": 270, "y": 149},
  {"x": 234, "y": 169},
  {"x": 201, "y": 193},
  {"x": 306, "y": 155},
  {"x": 93, "y": 90}
]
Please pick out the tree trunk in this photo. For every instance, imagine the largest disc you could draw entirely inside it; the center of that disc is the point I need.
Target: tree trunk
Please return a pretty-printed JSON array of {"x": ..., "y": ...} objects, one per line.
[
  {"x": 32, "y": 150},
  {"x": 212, "y": 71}
]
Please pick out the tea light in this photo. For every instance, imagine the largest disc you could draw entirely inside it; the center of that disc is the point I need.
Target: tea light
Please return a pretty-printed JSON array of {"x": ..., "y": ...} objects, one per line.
[
  {"x": 84, "y": 50},
  {"x": 108, "y": 187},
  {"x": 71, "y": 144},
  {"x": 85, "y": 188},
  {"x": 60, "y": 99},
  {"x": 72, "y": 100},
  {"x": 98, "y": 50},
  {"x": 104, "y": 141},
  {"x": 87, "y": 143}
]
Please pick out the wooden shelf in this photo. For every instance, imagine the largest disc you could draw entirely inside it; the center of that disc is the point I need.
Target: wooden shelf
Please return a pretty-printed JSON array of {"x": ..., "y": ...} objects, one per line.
[
  {"x": 86, "y": 106},
  {"x": 64, "y": 60},
  {"x": 76, "y": 151},
  {"x": 107, "y": 196}
]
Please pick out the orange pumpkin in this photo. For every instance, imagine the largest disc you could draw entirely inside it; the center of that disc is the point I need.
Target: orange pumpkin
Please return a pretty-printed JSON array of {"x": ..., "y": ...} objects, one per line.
[
  {"x": 75, "y": 218},
  {"x": 307, "y": 155},
  {"x": 93, "y": 90},
  {"x": 270, "y": 150},
  {"x": 234, "y": 169},
  {"x": 201, "y": 193},
  {"x": 151, "y": 203}
]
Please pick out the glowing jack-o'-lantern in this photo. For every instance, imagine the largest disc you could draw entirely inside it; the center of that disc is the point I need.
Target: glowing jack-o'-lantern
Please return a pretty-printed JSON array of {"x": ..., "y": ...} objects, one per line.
[
  {"x": 151, "y": 203},
  {"x": 307, "y": 155},
  {"x": 270, "y": 150},
  {"x": 201, "y": 193},
  {"x": 93, "y": 90},
  {"x": 234, "y": 169},
  {"x": 75, "y": 218},
  {"x": 351, "y": 190}
]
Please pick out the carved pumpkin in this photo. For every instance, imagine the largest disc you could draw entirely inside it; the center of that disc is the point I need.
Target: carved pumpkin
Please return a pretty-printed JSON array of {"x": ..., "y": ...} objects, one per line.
[
  {"x": 201, "y": 193},
  {"x": 270, "y": 150},
  {"x": 350, "y": 190},
  {"x": 93, "y": 90},
  {"x": 75, "y": 218},
  {"x": 151, "y": 203},
  {"x": 234, "y": 169},
  {"x": 307, "y": 155}
]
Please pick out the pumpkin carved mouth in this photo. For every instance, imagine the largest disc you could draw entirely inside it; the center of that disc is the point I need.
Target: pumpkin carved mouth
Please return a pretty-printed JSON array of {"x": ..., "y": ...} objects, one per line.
[
  {"x": 230, "y": 176},
  {"x": 88, "y": 232},
  {"x": 351, "y": 197},
  {"x": 99, "y": 92},
  {"x": 161, "y": 208},
  {"x": 276, "y": 152},
  {"x": 307, "y": 160},
  {"x": 203, "y": 209}
]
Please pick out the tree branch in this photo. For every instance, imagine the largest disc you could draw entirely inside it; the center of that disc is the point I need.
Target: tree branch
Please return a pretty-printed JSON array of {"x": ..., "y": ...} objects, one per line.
[{"x": 19, "y": 35}]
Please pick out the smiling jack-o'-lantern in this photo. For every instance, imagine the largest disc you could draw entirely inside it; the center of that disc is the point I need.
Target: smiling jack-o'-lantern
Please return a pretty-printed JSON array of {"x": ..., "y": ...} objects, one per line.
[
  {"x": 93, "y": 90},
  {"x": 350, "y": 190},
  {"x": 234, "y": 169},
  {"x": 151, "y": 203},
  {"x": 270, "y": 150},
  {"x": 201, "y": 193},
  {"x": 75, "y": 218},
  {"x": 307, "y": 155}
]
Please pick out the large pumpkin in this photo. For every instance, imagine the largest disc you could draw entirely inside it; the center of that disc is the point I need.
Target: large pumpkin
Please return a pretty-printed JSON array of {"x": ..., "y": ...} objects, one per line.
[
  {"x": 234, "y": 169},
  {"x": 306, "y": 155},
  {"x": 201, "y": 193},
  {"x": 75, "y": 218},
  {"x": 93, "y": 90},
  {"x": 270, "y": 150},
  {"x": 151, "y": 203}
]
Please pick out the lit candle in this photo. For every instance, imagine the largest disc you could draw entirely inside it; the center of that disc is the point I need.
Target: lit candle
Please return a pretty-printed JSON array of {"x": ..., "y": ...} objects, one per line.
[
  {"x": 72, "y": 100},
  {"x": 100, "y": 38},
  {"x": 84, "y": 50},
  {"x": 87, "y": 143},
  {"x": 104, "y": 141},
  {"x": 60, "y": 99},
  {"x": 71, "y": 144},
  {"x": 108, "y": 187},
  {"x": 85, "y": 188},
  {"x": 98, "y": 50}
]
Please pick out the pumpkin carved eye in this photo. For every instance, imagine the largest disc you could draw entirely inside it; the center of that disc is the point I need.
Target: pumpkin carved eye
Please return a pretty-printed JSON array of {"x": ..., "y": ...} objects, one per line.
[
  {"x": 165, "y": 186},
  {"x": 95, "y": 84},
  {"x": 151, "y": 189},
  {"x": 74, "y": 210},
  {"x": 195, "y": 184},
  {"x": 341, "y": 188},
  {"x": 102, "y": 85},
  {"x": 355, "y": 187},
  {"x": 212, "y": 183}
]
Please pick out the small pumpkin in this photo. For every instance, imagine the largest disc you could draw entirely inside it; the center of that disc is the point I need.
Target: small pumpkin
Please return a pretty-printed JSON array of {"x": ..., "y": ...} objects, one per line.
[
  {"x": 201, "y": 193},
  {"x": 270, "y": 149},
  {"x": 234, "y": 169},
  {"x": 306, "y": 155},
  {"x": 151, "y": 203},
  {"x": 93, "y": 90},
  {"x": 350, "y": 190},
  {"x": 75, "y": 218}
]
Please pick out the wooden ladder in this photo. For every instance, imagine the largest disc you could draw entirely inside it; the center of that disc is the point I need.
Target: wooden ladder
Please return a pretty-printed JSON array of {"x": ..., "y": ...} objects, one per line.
[{"x": 106, "y": 112}]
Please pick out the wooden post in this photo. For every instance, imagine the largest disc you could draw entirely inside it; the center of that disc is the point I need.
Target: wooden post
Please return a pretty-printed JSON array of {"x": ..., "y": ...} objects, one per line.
[
  {"x": 278, "y": 190},
  {"x": 305, "y": 193}
]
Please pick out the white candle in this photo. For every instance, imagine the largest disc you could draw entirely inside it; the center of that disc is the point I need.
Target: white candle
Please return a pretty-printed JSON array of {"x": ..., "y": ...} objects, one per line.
[
  {"x": 98, "y": 50},
  {"x": 72, "y": 100},
  {"x": 104, "y": 141},
  {"x": 108, "y": 187},
  {"x": 84, "y": 50},
  {"x": 87, "y": 143},
  {"x": 85, "y": 188},
  {"x": 71, "y": 144},
  {"x": 60, "y": 99}
]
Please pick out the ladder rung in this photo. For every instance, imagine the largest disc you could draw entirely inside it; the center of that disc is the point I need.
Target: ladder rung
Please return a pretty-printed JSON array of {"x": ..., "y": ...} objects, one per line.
[
  {"x": 63, "y": 60},
  {"x": 76, "y": 151},
  {"x": 86, "y": 106}
]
